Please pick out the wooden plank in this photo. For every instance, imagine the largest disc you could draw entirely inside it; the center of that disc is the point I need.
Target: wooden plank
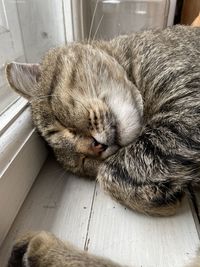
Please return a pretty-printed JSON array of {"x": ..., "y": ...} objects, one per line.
[
  {"x": 137, "y": 240},
  {"x": 58, "y": 202},
  {"x": 190, "y": 11},
  {"x": 61, "y": 203}
]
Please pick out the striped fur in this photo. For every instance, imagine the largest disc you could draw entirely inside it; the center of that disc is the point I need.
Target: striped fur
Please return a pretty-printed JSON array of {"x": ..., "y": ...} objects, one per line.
[
  {"x": 152, "y": 173},
  {"x": 127, "y": 110}
]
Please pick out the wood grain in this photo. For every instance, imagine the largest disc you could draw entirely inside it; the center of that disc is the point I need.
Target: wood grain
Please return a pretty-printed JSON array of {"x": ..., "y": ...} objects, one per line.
[{"x": 190, "y": 11}]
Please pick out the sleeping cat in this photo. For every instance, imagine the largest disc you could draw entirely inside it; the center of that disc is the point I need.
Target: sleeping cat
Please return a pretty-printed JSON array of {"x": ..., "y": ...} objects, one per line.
[
  {"x": 125, "y": 110},
  {"x": 42, "y": 249}
]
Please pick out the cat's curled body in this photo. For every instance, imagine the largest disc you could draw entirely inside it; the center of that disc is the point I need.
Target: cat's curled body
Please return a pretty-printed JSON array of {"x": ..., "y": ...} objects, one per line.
[
  {"x": 134, "y": 100},
  {"x": 155, "y": 169}
]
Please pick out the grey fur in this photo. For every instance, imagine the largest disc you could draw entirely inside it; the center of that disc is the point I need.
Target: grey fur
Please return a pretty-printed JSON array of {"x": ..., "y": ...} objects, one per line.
[
  {"x": 158, "y": 74},
  {"x": 152, "y": 173}
]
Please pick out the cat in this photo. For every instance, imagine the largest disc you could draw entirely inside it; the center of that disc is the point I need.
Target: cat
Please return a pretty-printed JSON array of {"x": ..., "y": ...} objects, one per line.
[
  {"x": 126, "y": 111},
  {"x": 42, "y": 249}
]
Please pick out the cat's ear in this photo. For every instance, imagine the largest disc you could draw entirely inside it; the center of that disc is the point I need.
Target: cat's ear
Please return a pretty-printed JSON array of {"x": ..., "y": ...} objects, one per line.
[{"x": 23, "y": 78}]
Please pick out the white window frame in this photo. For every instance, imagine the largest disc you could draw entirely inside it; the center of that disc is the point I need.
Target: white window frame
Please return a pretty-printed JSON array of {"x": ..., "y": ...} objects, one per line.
[
  {"x": 22, "y": 150},
  {"x": 22, "y": 154}
]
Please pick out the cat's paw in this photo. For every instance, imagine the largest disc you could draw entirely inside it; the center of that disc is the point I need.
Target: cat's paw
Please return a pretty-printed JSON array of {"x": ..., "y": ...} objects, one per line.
[
  {"x": 44, "y": 249},
  {"x": 19, "y": 249}
]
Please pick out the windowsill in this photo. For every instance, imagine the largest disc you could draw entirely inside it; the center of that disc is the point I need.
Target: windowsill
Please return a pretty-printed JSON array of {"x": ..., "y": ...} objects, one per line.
[{"x": 77, "y": 210}]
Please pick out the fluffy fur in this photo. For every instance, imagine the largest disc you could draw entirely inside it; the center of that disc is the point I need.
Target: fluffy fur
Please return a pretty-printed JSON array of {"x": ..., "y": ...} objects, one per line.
[
  {"x": 126, "y": 110},
  {"x": 42, "y": 249}
]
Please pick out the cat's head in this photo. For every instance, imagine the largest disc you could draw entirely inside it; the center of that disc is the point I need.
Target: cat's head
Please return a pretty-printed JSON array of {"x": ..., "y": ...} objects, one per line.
[{"x": 85, "y": 90}]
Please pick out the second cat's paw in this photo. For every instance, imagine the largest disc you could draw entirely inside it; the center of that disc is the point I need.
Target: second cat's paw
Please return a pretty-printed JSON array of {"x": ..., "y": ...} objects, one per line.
[{"x": 44, "y": 249}]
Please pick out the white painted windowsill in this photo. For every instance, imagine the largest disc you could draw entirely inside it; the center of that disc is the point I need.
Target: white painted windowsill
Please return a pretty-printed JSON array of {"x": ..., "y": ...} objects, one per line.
[
  {"x": 77, "y": 210},
  {"x": 22, "y": 154}
]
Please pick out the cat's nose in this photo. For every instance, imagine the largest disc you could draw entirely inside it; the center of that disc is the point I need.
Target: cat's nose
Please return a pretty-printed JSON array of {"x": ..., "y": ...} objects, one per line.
[
  {"x": 98, "y": 147},
  {"x": 104, "y": 147}
]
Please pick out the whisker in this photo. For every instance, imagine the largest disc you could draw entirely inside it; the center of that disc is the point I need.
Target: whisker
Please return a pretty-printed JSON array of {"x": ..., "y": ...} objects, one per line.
[
  {"x": 92, "y": 22},
  {"x": 92, "y": 86},
  {"x": 101, "y": 66},
  {"x": 89, "y": 39},
  {"x": 98, "y": 27}
]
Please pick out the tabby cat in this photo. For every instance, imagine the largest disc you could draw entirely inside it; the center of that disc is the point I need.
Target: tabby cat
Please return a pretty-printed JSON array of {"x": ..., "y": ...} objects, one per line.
[
  {"x": 42, "y": 249},
  {"x": 125, "y": 110}
]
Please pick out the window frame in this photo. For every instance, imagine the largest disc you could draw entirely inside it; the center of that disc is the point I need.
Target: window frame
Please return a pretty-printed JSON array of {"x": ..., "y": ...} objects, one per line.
[
  {"x": 22, "y": 160},
  {"x": 22, "y": 154}
]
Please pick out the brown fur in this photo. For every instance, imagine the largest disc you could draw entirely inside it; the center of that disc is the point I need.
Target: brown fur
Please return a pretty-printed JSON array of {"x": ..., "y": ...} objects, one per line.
[
  {"x": 43, "y": 249},
  {"x": 126, "y": 110},
  {"x": 72, "y": 114}
]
